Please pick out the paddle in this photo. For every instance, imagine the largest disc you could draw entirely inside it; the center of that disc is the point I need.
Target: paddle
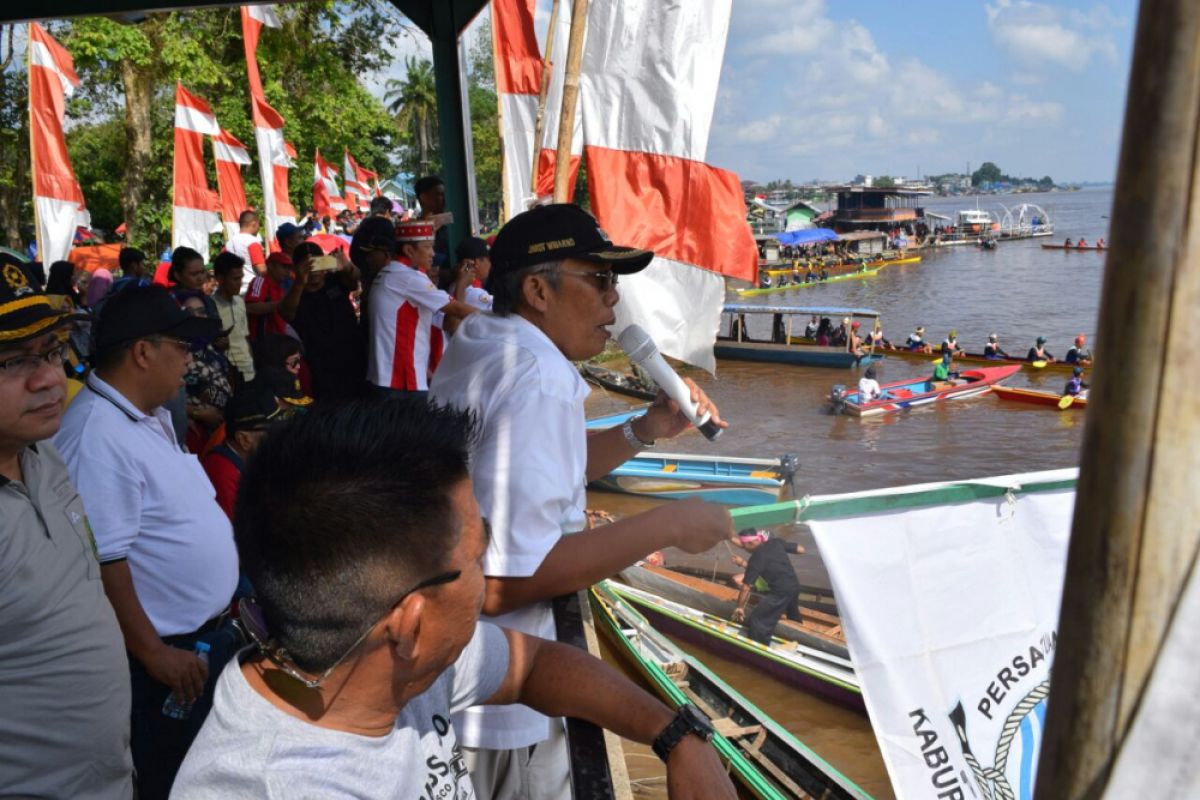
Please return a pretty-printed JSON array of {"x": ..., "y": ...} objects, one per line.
[
  {"x": 1066, "y": 401},
  {"x": 1039, "y": 364}
]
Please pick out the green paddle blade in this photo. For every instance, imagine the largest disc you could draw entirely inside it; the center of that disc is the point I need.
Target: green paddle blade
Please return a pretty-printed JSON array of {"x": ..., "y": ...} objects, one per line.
[
  {"x": 1038, "y": 364},
  {"x": 1066, "y": 401}
]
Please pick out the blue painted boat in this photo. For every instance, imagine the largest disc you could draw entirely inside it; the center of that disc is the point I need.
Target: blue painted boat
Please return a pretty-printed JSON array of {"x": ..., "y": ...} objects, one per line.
[
  {"x": 903, "y": 395},
  {"x": 613, "y": 420},
  {"x": 717, "y": 479},
  {"x": 780, "y": 341}
]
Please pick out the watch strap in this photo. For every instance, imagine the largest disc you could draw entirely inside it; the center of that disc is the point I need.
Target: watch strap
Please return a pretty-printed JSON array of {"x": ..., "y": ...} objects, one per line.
[{"x": 687, "y": 720}]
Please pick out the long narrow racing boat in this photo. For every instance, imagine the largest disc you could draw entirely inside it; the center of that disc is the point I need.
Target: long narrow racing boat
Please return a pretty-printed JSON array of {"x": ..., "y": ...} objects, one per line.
[
  {"x": 1060, "y": 367},
  {"x": 1037, "y": 397},
  {"x": 817, "y": 629},
  {"x": 787, "y": 287},
  {"x": 814, "y": 671},
  {"x": 1072, "y": 247},
  {"x": 762, "y": 756},
  {"x": 718, "y": 479},
  {"x": 903, "y": 395}
]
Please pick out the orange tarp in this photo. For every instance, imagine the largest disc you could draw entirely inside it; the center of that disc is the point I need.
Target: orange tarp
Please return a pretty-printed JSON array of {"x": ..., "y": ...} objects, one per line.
[{"x": 93, "y": 257}]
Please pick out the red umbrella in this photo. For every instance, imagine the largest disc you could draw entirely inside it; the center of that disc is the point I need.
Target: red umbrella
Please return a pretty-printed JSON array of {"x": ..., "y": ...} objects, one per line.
[{"x": 328, "y": 243}]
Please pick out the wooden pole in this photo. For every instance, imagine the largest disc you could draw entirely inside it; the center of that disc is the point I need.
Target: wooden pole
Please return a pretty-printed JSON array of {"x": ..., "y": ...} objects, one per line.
[
  {"x": 1135, "y": 531},
  {"x": 566, "y": 121},
  {"x": 540, "y": 125},
  {"x": 33, "y": 167}
]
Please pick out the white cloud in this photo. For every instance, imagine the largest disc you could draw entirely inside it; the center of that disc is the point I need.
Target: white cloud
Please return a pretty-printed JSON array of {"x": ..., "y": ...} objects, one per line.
[
  {"x": 759, "y": 131},
  {"x": 1034, "y": 33}
]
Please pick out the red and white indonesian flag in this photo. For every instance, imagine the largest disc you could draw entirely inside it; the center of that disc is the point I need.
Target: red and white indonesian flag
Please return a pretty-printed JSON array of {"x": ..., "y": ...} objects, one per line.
[
  {"x": 649, "y": 83},
  {"x": 194, "y": 208},
  {"x": 357, "y": 184},
  {"x": 327, "y": 198},
  {"x": 57, "y": 198},
  {"x": 518, "y": 83},
  {"x": 231, "y": 156},
  {"x": 273, "y": 157}
]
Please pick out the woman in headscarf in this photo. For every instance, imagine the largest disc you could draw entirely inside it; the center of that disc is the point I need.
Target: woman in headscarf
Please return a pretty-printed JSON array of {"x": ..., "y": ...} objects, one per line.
[{"x": 98, "y": 287}]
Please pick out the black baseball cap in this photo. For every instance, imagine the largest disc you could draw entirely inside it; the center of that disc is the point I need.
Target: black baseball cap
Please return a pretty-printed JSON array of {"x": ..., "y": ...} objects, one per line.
[
  {"x": 25, "y": 311},
  {"x": 253, "y": 407},
  {"x": 471, "y": 247},
  {"x": 374, "y": 234},
  {"x": 557, "y": 231},
  {"x": 141, "y": 311}
]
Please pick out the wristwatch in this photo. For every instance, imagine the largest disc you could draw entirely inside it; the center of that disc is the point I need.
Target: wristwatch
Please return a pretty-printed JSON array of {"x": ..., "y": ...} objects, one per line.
[
  {"x": 688, "y": 719},
  {"x": 632, "y": 438}
]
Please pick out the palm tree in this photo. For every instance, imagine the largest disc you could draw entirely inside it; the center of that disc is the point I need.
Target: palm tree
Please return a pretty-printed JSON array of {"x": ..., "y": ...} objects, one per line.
[{"x": 413, "y": 102}]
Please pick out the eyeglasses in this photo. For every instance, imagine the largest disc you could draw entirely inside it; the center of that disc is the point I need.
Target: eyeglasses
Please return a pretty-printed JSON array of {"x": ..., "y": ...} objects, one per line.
[
  {"x": 183, "y": 345},
  {"x": 252, "y": 620},
  {"x": 25, "y": 366},
  {"x": 605, "y": 279}
]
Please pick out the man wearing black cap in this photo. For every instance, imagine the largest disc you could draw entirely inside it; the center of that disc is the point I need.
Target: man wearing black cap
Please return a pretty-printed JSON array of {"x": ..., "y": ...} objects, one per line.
[
  {"x": 167, "y": 558},
  {"x": 251, "y": 410},
  {"x": 553, "y": 283},
  {"x": 64, "y": 724}
]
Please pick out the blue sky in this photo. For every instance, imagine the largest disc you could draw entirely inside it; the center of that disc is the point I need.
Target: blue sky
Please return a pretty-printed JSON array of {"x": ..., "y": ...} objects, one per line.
[{"x": 821, "y": 89}]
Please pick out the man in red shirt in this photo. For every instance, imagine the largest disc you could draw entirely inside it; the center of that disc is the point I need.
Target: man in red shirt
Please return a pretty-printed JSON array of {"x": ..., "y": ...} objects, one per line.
[
  {"x": 265, "y": 294},
  {"x": 250, "y": 412}
]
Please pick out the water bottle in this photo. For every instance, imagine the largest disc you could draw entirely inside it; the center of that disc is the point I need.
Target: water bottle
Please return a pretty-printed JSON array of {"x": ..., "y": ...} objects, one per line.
[{"x": 176, "y": 707}]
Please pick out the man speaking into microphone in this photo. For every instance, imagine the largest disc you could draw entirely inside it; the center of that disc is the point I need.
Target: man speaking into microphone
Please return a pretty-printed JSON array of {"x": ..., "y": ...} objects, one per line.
[{"x": 553, "y": 285}]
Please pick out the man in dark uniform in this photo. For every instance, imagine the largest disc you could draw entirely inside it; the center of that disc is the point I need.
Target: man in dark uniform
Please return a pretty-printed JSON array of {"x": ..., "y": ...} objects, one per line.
[{"x": 768, "y": 571}]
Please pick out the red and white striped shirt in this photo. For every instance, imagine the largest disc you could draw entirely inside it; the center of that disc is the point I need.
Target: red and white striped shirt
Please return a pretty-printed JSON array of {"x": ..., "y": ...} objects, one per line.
[{"x": 401, "y": 305}]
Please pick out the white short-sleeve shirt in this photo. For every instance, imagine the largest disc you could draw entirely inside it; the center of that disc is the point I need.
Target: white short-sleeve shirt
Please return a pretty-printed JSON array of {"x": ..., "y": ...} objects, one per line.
[
  {"x": 151, "y": 503},
  {"x": 529, "y": 471},
  {"x": 240, "y": 244},
  {"x": 401, "y": 306},
  {"x": 868, "y": 389},
  {"x": 476, "y": 297}
]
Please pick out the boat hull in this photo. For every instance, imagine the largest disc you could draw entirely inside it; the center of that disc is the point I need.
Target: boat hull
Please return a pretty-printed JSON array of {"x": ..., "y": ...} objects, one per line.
[
  {"x": 676, "y": 489},
  {"x": 806, "y": 356},
  {"x": 614, "y": 382},
  {"x": 1035, "y": 397},
  {"x": 1073, "y": 247},
  {"x": 906, "y": 395},
  {"x": 849, "y": 276},
  {"x": 977, "y": 359},
  {"x": 717, "y": 479}
]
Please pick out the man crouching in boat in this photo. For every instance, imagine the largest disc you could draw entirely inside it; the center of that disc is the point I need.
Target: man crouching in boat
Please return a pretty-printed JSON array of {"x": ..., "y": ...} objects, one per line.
[{"x": 769, "y": 571}]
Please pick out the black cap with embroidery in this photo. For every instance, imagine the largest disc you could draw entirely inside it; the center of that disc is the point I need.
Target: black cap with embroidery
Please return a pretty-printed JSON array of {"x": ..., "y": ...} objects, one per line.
[
  {"x": 252, "y": 408},
  {"x": 558, "y": 231},
  {"x": 26, "y": 312},
  {"x": 142, "y": 311}
]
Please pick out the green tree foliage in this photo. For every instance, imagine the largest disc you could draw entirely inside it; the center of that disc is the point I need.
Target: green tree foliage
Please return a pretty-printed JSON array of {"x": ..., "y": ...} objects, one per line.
[
  {"x": 885, "y": 182},
  {"x": 15, "y": 202},
  {"x": 988, "y": 173}
]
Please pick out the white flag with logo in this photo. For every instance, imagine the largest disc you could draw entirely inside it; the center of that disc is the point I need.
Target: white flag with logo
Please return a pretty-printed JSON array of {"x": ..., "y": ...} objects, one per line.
[{"x": 949, "y": 595}]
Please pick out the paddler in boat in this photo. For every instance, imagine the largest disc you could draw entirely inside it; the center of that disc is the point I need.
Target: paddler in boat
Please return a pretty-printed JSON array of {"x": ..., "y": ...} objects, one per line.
[
  {"x": 916, "y": 341},
  {"x": 1079, "y": 352},
  {"x": 1100, "y": 245},
  {"x": 950, "y": 344},
  {"x": 855, "y": 343},
  {"x": 942, "y": 371},
  {"x": 1081, "y": 244},
  {"x": 1076, "y": 387},
  {"x": 1067, "y": 243},
  {"x": 769, "y": 572},
  {"x": 877, "y": 340},
  {"x": 992, "y": 350},
  {"x": 1039, "y": 352}
]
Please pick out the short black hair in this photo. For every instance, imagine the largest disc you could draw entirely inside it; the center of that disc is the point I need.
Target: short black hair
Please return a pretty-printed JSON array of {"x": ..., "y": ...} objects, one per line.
[
  {"x": 305, "y": 249},
  {"x": 246, "y": 217},
  {"x": 505, "y": 287},
  {"x": 342, "y": 509},
  {"x": 226, "y": 262},
  {"x": 382, "y": 204},
  {"x": 128, "y": 256},
  {"x": 423, "y": 185},
  {"x": 182, "y": 256}
]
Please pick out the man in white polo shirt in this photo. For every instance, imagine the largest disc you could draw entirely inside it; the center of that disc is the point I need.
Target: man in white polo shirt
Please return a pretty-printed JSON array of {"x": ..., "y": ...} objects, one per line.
[
  {"x": 553, "y": 283},
  {"x": 247, "y": 244},
  {"x": 167, "y": 557},
  {"x": 401, "y": 305}
]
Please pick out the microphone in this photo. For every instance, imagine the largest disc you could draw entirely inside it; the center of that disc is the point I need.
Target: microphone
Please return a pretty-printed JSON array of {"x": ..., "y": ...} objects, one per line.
[{"x": 638, "y": 345}]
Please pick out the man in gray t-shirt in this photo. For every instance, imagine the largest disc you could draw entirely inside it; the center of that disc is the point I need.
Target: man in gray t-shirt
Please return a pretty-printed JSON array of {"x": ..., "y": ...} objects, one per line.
[
  {"x": 358, "y": 527},
  {"x": 64, "y": 680}
]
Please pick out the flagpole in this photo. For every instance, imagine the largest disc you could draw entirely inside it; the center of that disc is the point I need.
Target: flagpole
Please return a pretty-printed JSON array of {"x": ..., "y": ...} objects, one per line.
[
  {"x": 33, "y": 168},
  {"x": 543, "y": 91},
  {"x": 566, "y": 122}
]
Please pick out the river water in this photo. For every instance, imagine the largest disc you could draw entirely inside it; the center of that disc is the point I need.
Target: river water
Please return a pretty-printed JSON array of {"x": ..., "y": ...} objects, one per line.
[{"x": 1018, "y": 291}]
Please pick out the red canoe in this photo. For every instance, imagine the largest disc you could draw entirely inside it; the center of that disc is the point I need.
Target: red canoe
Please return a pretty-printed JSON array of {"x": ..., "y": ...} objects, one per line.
[{"x": 1036, "y": 397}]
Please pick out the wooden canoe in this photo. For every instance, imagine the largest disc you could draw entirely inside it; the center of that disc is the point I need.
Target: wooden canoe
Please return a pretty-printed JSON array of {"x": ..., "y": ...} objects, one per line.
[
  {"x": 618, "y": 382},
  {"x": 905, "y": 395},
  {"x": 718, "y": 479},
  {"x": 1072, "y": 247},
  {"x": 816, "y": 629},
  {"x": 848, "y": 276},
  {"x": 817, "y": 672},
  {"x": 1060, "y": 367},
  {"x": 766, "y": 760},
  {"x": 1038, "y": 397}
]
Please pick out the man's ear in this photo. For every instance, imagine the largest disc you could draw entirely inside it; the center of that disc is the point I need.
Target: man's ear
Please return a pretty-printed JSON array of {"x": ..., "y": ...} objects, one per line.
[
  {"x": 535, "y": 291},
  {"x": 403, "y": 626}
]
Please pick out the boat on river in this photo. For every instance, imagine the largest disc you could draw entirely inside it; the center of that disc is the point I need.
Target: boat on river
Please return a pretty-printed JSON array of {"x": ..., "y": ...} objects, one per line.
[
  {"x": 627, "y": 384},
  {"x": 817, "y": 672},
  {"x": 613, "y": 420},
  {"x": 846, "y": 267},
  {"x": 787, "y": 287},
  {"x": 816, "y": 628},
  {"x": 1038, "y": 397},
  {"x": 718, "y": 479},
  {"x": 765, "y": 759},
  {"x": 903, "y": 395},
  {"x": 782, "y": 342},
  {"x": 979, "y": 359},
  {"x": 1072, "y": 247}
]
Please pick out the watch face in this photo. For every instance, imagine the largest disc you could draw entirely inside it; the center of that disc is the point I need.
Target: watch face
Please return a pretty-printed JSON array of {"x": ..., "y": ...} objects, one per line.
[{"x": 700, "y": 724}]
